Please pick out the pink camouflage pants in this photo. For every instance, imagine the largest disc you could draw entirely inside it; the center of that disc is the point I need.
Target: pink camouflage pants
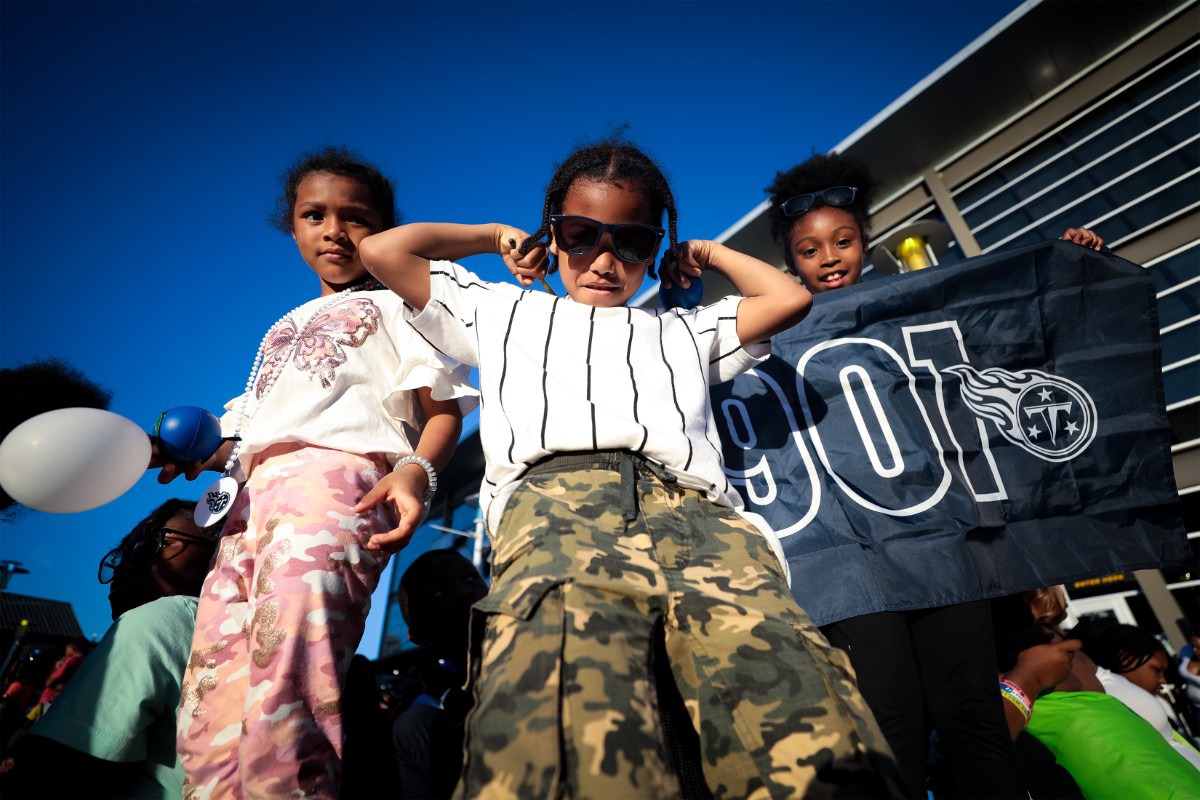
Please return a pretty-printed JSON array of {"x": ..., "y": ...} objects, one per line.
[{"x": 281, "y": 614}]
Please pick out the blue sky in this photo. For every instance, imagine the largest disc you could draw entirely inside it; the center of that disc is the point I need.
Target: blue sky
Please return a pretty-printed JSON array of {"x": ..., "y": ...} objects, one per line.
[{"x": 141, "y": 143}]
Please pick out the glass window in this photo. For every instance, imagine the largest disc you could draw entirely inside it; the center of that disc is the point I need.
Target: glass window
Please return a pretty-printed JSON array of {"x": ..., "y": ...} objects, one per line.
[
  {"x": 1178, "y": 345},
  {"x": 1159, "y": 106},
  {"x": 1183, "y": 382},
  {"x": 1177, "y": 268},
  {"x": 1181, "y": 304}
]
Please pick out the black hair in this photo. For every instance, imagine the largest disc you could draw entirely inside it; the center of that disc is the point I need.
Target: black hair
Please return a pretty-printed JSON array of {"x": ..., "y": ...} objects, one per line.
[
  {"x": 335, "y": 161},
  {"x": 37, "y": 387},
  {"x": 821, "y": 171},
  {"x": 46, "y": 385},
  {"x": 436, "y": 593},
  {"x": 156, "y": 520},
  {"x": 1014, "y": 628},
  {"x": 610, "y": 160},
  {"x": 1124, "y": 648}
]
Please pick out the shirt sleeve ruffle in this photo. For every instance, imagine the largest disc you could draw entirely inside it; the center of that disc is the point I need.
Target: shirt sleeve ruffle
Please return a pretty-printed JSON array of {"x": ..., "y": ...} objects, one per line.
[
  {"x": 446, "y": 380},
  {"x": 230, "y": 419}
]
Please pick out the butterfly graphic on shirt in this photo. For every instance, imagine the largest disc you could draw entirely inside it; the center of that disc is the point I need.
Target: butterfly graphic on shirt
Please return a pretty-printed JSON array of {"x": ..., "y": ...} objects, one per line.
[{"x": 320, "y": 348}]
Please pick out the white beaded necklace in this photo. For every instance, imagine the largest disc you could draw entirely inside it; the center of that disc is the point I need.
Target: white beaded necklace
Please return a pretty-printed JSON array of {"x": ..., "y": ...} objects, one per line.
[{"x": 217, "y": 499}]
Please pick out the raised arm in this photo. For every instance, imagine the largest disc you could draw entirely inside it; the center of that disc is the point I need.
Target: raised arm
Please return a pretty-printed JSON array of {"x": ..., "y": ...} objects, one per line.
[
  {"x": 773, "y": 301},
  {"x": 1038, "y": 668},
  {"x": 400, "y": 257}
]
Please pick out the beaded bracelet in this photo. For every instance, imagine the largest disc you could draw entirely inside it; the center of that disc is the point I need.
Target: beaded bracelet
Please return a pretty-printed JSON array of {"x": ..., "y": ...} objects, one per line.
[
  {"x": 424, "y": 464},
  {"x": 1016, "y": 695}
]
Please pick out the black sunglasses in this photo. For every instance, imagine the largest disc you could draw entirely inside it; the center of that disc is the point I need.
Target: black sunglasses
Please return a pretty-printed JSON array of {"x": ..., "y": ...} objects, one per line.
[
  {"x": 633, "y": 242},
  {"x": 833, "y": 196},
  {"x": 145, "y": 550}
]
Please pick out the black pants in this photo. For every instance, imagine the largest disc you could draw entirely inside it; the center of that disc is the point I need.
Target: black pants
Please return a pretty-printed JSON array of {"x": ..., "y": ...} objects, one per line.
[{"x": 936, "y": 668}]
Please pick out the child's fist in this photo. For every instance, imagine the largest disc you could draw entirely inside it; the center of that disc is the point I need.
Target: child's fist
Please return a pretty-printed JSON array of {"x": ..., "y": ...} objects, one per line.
[
  {"x": 1084, "y": 237},
  {"x": 524, "y": 257},
  {"x": 686, "y": 261}
]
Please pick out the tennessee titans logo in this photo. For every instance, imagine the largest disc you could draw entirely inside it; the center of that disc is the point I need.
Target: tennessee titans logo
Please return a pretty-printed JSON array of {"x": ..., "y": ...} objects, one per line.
[
  {"x": 1047, "y": 416},
  {"x": 217, "y": 501}
]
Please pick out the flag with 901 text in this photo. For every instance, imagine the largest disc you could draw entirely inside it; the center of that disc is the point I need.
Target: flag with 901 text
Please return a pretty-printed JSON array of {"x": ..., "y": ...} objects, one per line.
[{"x": 961, "y": 433}]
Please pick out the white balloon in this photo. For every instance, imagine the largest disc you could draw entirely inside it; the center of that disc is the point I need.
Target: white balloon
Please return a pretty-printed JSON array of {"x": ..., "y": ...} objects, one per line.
[{"x": 72, "y": 459}]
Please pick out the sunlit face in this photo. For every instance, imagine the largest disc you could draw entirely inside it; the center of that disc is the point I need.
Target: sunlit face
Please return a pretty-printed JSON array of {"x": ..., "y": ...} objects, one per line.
[
  {"x": 1152, "y": 675},
  {"x": 827, "y": 249},
  {"x": 331, "y": 216},
  {"x": 599, "y": 278},
  {"x": 179, "y": 568}
]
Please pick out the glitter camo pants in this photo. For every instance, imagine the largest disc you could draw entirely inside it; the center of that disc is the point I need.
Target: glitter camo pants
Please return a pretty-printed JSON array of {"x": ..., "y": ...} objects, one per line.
[
  {"x": 565, "y": 703},
  {"x": 281, "y": 614}
]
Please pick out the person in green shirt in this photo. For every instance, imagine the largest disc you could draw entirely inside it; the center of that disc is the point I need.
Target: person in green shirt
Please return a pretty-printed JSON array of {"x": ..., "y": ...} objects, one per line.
[{"x": 111, "y": 733}]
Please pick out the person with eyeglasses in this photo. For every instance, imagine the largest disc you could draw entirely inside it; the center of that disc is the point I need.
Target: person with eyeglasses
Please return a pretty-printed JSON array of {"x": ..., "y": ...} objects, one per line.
[
  {"x": 919, "y": 669},
  {"x": 111, "y": 732},
  {"x": 614, "y": 527}
]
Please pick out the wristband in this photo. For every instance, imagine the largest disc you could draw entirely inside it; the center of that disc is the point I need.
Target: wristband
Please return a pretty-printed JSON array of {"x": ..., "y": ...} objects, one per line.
[
  {"x": 424, "y": 464},
  {"x": 1016, "y": 695}
]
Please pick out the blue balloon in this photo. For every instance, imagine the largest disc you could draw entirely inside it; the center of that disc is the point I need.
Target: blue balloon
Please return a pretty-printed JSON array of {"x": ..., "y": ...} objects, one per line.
[
  {"x": 679, "y": 297},
  {"x": 188, "y": 433}
]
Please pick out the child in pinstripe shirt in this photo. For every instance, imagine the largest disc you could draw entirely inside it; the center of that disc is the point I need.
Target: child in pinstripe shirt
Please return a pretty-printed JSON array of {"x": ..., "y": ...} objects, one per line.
[{"x": 615, "y": 530}]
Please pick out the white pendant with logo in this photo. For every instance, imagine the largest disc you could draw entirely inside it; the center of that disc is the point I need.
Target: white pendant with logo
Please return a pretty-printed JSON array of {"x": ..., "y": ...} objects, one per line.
[{"x": 216, "y": 501}]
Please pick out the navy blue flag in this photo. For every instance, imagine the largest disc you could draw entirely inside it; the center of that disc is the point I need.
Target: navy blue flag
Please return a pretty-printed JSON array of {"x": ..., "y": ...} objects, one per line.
[{"x": 962, "y": 433}]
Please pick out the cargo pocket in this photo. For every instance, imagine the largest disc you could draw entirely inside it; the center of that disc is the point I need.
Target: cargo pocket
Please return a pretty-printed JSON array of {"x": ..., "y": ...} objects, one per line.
[{"x": 514, "y": 732}]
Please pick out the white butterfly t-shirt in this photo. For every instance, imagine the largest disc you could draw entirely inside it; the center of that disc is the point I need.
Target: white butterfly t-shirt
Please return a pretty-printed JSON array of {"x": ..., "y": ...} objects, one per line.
[{"x": 344, "y": 379}]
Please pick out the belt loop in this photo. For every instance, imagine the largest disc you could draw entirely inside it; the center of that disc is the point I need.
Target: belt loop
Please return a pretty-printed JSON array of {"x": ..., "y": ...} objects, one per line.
[
  {"x": 662, "y": 473},
  {"x": 628, "y": 488}
]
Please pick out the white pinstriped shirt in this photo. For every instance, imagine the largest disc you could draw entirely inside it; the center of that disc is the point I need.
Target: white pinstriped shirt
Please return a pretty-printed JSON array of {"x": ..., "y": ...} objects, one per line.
[{"x": 557, "y": 376}]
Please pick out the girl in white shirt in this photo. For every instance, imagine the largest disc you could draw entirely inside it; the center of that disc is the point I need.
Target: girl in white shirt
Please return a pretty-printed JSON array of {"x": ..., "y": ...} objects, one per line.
[
  {"x": 1132, "y": 667},
  {"x": 340, "y": 392}
]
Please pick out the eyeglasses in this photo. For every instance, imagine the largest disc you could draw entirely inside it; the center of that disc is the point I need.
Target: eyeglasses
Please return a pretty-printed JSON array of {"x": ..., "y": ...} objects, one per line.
[
  {"x": 833, "y": 196},
  {"x": 633, "y": 242},
  {"x": 144, "y": 551}
]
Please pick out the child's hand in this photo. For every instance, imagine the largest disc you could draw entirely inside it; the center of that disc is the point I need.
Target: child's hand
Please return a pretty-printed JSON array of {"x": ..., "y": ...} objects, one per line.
[
  {"x": 170, "y": 470},
  {"x": 404, "y": 490},
  {"x": 1085, "y": 237},
  {"x": 1045, "y": 665},
  {"x": 685, "y": 262},
  {"x": 526, "y": 267}
]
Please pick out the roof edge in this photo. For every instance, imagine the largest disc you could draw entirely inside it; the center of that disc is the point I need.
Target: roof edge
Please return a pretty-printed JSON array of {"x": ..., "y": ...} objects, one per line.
[
  {"x": 899, "y": 102},
  {"x": 931, "y": 78}
]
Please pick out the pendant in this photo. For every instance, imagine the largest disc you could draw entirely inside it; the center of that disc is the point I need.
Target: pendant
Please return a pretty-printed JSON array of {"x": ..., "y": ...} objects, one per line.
[{"x": 216, "y": 501}]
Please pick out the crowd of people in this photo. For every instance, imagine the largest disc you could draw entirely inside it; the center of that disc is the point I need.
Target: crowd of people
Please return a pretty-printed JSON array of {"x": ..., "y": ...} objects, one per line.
[{"x": 639, "y": 637}]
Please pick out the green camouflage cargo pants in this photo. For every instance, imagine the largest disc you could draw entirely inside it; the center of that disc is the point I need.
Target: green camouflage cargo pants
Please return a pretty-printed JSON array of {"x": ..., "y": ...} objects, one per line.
[{"x": 589, "y": 564}]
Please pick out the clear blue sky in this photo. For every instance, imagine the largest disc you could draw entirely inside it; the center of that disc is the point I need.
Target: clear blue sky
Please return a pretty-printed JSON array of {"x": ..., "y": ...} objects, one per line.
[{"x": 140, "y": 146}]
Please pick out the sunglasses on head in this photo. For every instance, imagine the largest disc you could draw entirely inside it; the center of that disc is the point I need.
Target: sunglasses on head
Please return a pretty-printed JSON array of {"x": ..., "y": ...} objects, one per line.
[
  {"x": 144, "y": 551},
  {"x": 833, "y": 196},
  {"x": 633, "y": 242}
]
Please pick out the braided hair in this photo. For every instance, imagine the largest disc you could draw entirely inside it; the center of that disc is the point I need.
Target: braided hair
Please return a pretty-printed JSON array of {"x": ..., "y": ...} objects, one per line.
[
  {"x": 1124, "y": 648},
  {"x": 611, "y": 161},
  {"x": 822, "y": 171},
  {"x": 345, "y": 164}
]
